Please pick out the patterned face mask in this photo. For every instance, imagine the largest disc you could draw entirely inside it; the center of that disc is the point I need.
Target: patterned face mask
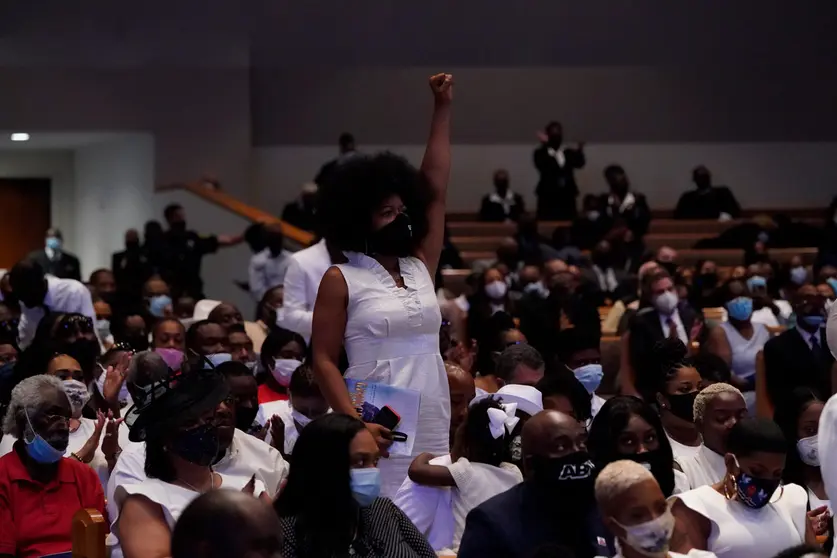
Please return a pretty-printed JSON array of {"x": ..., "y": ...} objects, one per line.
[{"x": 754, "y": 492}]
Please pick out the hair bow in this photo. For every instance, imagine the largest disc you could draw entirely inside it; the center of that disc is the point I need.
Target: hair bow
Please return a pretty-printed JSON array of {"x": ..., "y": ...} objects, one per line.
[{"x": 502, "y": 420}]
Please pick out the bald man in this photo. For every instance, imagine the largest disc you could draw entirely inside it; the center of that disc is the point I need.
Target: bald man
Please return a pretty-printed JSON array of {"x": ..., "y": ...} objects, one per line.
[
  {"x": 553, "y": 505},
  {"x": 226, "y": 523},
  {"x": 268, "y": 267}
]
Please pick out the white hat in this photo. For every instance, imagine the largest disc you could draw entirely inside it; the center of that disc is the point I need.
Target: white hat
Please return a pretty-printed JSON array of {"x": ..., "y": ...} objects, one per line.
[
  {"x": 528, "y": 399},
  {"x": 203, "y": 308}
]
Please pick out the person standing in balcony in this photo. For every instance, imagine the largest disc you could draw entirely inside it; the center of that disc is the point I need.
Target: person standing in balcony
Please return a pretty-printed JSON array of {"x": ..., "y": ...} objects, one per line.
[
  {"x": 556, "y": 165},
  {"x": 302, "y": 212},
  {"x": 184, "y": 252},
  {"x": 267, "y": 268}
]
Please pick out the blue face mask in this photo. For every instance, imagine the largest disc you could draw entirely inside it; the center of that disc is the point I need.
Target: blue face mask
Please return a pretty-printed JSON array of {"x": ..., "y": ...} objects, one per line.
[
  {"x": 798, "y": 275},
  {"x": 590, "y": 376},
  {"x": 366, "y": 485},
  {"x": 42, "y": 451},
  {"x": 755, "y": 492},
  {"x": 53, "y": 243},
  {"x": 6, "y": 371},
  {"x": 815, "y": 320},
  {"x": 218, "y": 358},
  {"x": 756, "y": 281},
  {"x": 157, "y": 305},
  {"x": 832, "y": 282},
  {"x": 740, "y": 308}
]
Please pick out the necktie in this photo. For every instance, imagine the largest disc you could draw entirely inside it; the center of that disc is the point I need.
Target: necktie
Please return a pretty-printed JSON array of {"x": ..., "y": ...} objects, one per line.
[
  {"x": 672, "y": 329},
  {"x": 815, "y": 346}
]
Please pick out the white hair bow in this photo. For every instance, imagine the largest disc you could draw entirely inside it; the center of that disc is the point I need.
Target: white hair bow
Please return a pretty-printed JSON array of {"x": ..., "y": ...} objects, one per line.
[{"x": 502, "y": 419}]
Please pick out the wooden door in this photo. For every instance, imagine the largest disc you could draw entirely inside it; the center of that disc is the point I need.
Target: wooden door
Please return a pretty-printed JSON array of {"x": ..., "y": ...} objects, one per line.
[{"x": 24, "y": 217}]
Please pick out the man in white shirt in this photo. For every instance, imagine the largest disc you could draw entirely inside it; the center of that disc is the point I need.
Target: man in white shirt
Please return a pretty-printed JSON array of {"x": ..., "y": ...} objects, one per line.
[
  {"x": 40, "y": 293},
  {"x": 302, "y": 281},
  {"x": 267, "y": 268}
]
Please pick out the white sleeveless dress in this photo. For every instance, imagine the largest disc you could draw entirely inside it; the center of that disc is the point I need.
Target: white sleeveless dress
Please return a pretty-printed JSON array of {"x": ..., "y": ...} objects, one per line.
[{"x": 392, "y": 337}]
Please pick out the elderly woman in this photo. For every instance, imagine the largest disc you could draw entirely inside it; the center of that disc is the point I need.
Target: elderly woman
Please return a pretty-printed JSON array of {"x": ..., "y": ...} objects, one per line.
[{"x": 40, "y": 489}]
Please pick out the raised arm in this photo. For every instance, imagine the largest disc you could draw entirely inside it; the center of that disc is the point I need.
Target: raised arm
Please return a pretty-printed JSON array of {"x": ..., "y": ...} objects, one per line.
[{"x": 436, "y": 168}]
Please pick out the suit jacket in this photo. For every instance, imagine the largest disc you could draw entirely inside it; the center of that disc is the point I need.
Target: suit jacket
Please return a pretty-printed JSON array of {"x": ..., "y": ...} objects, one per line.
[
  {"x": 557, "y": 188},
  {"x": 517, "y": 522},
  {"x": 707, "y": 205},
  {"x": 646, "y": 330},
  {"x": 636, "y": 217},
  {"x": 790, "y": 363},
  {"x": 491, "y": 210},
  {"x": 595, "y": 294},
  {"x": 66, "y": 266}
]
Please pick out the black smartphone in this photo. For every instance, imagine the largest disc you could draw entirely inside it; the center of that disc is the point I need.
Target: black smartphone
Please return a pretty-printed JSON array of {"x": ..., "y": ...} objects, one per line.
[{"x": 387, "y": 418}]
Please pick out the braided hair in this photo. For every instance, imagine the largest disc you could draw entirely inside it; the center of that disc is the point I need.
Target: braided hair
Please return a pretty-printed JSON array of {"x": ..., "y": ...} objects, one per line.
[
  {"x": 482, "y": 446},
  {"x": 668, "y": 357}
]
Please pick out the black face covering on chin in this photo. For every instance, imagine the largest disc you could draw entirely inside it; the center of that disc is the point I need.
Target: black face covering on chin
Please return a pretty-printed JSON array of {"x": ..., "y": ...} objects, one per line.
[{"x": 393, "y": 239}]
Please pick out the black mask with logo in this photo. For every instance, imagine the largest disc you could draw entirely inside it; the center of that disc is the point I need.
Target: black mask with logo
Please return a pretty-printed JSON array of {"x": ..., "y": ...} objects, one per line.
[
  {"x": 393, "y": 239},
  {"x": 569, "y": 478}
]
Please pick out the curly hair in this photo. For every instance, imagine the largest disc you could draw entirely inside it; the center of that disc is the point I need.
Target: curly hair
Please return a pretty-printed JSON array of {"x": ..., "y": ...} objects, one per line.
[
  {"x": 358, "y": 186},
  {"x": 668, "y": 356}
]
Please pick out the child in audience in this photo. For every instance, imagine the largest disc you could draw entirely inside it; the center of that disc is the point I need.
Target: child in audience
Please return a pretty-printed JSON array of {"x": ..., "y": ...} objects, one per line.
[{"x": 474, "y": 471}]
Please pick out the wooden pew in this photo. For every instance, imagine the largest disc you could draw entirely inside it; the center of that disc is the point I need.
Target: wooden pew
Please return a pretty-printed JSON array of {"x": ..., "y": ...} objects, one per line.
[{"x": 90, "y": 529}]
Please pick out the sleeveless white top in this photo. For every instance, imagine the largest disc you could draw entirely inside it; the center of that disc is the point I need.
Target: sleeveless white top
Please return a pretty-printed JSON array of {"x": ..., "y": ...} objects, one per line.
[
  {"x": 744, "y": 351},
  {"x": 742, "y": 532},
  {"x": 682, "y": 451},
  {"x": 704, "y": 467},
  {"x": 392, "y": 338}
]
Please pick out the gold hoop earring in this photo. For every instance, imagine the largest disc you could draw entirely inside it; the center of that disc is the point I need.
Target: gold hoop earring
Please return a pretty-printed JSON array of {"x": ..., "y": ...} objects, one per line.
[{"x": 727, "y": 479}]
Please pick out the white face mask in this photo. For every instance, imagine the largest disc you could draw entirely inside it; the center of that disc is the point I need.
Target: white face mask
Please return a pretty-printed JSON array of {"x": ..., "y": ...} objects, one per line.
[
  {"x": 299, "y": 418},
  {"x": 809, "y": 451},
  {"x": 78, "y": 394},
  {"x": 651, "y": 538},
  {"x": 283, "y": 369},
  {"x": 103, "y": 328},
  {"x": 496, "y": 290},
  {"x": 666, "y": 303}
]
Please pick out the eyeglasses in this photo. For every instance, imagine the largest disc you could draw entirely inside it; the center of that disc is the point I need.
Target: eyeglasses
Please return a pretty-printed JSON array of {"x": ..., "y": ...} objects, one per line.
[{"x": 59, "y": 419}]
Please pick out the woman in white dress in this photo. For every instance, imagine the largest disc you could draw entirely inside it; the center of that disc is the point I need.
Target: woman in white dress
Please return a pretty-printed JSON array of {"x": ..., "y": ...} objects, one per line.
[
  {"x": 749, "y": 513},
  {"x": 677, "y": 386},
  {"x": 388, "y": 218}
]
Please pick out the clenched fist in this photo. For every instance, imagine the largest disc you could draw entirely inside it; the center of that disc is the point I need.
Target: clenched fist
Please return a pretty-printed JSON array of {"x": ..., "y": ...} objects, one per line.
[{"x": 442, "y": 86}]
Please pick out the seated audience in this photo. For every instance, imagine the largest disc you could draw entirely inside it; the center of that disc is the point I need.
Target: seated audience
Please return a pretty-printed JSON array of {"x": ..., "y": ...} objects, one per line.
[
  {"x": 168, "y": 333},
  {"x": 454, "y": 484},
  {"x": 799, "y": 420},
  {"x": 40, "y": 489},
  {"x": 241, "y": 348},
  {"x": 111, "y": 393},
  {"x": 54, "y": 260},
  {"x": 534, "y": 248},
  {"x": 209, "y": 341},
  {"x": 718, "y": 408},
  {"x": 623, "y": 310},
  {"x": 302, "y": 281},
  {"x": 678, "y": 384},
  {"x": 556, "y": 164},
  {"x": 492, "y": 296},
  {"x": 243, "y": 395},
  {"x": 519, "y": 364},
  {"x": 462, "y": 392},
  {"x": 228, "y": 315},
  {"x": 267, "y": 268},
  {"x": 591, "y": 226},
  {"x": 226, "y": 523},
  {"x": 601, "y": 282},
  {"x": 742, "y": 515},
  {"x": 799, "y": 357},
  {"x": 561, "y": 391},
  {"x": 302, "y": 212},
  {"x": 553, "y": 505},
  {"x": 529, "y": 402},
  {"x": 282, "y": 352},
  {"x": 503, "y": 204},
  {"x": 285, "y": 419},
  {"x": 704, "y": 286},
  {"x": 738, "y": 340},
  {"x": 331, "y": 505},
  {"x": 102, "y": 323},
  {"x": 707, "y": 201},
  {"x": 662, "y": 314},
  {"x": 38, "y": 292},
  {"x": 634, "y": 509},
  {"x": 627, "y": 428},
  {"x": 156, "y": 295},
  {"x": 131, "y": 329},
  {"x": 185, "y": 426},
  {"x": 624, "y": 208},
  {"x": 266, "y": 310},
  {"x": 580, "y": 352}
]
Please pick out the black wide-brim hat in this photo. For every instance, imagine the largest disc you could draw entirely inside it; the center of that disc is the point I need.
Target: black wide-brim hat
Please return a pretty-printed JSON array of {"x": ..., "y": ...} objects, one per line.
[{"x": 177, "y": 401}]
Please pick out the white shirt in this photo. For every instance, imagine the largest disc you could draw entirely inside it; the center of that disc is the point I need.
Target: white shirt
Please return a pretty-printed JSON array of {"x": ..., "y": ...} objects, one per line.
[
  {"x": 430, "y": 508},
  {"x": 596, "y": 403},
  {"x": 607, "y": 278},
  {"x": 247, "y": 455},
  {"x": 63, "y": 295},
  {"x": 302, "y": 281},
  {"x": 682, "y": 334},
  {"x": 694, "y": 553},
  {"x": 705, "y": 467},
  {"x": 283, "y": 410},
  {"x": 827, "y": 438},
  {"x": 682, "y": 451},
  {"x": 267, "y": 271}
]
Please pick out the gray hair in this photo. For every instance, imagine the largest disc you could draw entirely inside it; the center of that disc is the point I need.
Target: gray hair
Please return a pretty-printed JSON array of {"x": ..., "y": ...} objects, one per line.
[
  {"x": 616, "y": 479},
  {"x": 708, "y": 394},
  {"x": 146, "y": 368},
  {"x": 514, "y": 356},
  {"x": 27, "y": 396}
]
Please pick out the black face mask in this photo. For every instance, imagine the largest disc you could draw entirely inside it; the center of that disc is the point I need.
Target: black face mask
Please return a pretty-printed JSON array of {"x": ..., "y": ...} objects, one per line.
[
  {"x": 198, "y": 445},
  {"x": 178, "y": 226},
  {"x": 569, "y": 478},
  {"x": 658, "y": 465},
  {"x": 682, "y": 405},
  {"x": 84, "y": 351},
  {"x": 502, "y": 186},
  {"x": 393, "y": 239},
  {"x": 555, "y": 140},
  {"x": 132, "y": 245},
  {"x": 244, "y": 418},
  {"x": 703, "y": 182}
]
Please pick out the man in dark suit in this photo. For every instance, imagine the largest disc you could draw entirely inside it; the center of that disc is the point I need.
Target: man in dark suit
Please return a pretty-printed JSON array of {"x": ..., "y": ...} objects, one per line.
[
  {"x": 662, "y": 314},
  {"x": 131, "y": 267},
  {"x": 556, "y": 165},
  {"x": 502, "y": 204},
  {"x": 602, "y": 282},
  {"x": 707, "y": 201},
  {"x": 799, "y": 357},
  {"x": 554, "y": 505},
  {"x": 54, "y": 260},
  {"x": 623, "y": 207}
]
